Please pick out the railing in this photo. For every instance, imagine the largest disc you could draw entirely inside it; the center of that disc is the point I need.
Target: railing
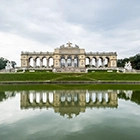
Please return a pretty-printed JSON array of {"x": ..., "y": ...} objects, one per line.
[
  {"x": 101, "y": 53},
  {"x": 48, "y": 53}
]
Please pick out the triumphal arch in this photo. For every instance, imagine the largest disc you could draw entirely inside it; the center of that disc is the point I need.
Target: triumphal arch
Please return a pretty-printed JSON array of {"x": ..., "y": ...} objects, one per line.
[{"x": 68, "y": 58}]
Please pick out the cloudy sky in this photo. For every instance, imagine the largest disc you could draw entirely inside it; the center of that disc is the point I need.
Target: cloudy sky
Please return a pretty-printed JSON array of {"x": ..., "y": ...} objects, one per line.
[{"x": 43, "y": 25}]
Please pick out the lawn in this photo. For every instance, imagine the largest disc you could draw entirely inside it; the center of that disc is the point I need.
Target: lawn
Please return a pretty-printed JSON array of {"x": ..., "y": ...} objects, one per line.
[{"x": 49, "y": 76}]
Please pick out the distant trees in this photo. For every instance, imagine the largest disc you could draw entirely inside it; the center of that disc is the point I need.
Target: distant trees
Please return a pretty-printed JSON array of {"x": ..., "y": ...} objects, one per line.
[
  {"x": 3, "y": 62},
  {"x": 135, "y": 61}
]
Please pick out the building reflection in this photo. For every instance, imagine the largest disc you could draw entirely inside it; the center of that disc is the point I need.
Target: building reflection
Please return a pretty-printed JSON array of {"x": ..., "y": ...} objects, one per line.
[
  {"x": 68, "y": 102},
  {"x": 71, "y": 102}
]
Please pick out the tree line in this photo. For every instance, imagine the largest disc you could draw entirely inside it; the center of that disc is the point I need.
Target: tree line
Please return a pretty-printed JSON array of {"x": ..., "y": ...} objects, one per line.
[
  {"x": 135, "y": 62},
  {"x": 3, "y": 62}
]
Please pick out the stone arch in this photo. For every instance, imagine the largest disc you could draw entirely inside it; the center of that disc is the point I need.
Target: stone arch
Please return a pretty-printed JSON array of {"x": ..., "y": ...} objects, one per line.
[
  {"x": 106, "y": 61},
  {"x": 37, "y": 61},
  {"x": 31, "y": 97},
  {"x": 94, "y": 60},
  {"x": 31, "y": 62},
  {"x": 87, "y": 97},
  {"x": 50, "y": 62},
  {"x": 44, "y": 62},
  {"x": 75, "y": 61},
  {"x": 87, "y": 61},
  {"x": 37, "y": 97},
  {"x": 50, "y": 97},
  {"x": 69, "y": 61},
  {"x": 44, "y": 97},
  {"x": 100, "y": 62},
  {"x": 62, "y": 61}
]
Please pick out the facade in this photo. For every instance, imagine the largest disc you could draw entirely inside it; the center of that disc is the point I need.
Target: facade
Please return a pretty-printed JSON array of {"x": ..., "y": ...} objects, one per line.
[
  {"x": 68, "y": 58},
  {"x": 68, "y": 102}
]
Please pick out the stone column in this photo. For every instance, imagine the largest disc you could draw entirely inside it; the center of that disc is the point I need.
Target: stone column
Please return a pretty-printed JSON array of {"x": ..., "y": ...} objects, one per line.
[
  {"x": 90, "y": 62},
  {"x": 72, "y": 62},
  {"x": 47, "y": 62},
  {"x": 41, "y": 97},
  {"x": 97, "y": 63},
  {"x": 103, "y": 63},
  {"x": 66, "y": 65},
  {"x": 34, "y": 97},
  {"x": 60, "y": 63}
]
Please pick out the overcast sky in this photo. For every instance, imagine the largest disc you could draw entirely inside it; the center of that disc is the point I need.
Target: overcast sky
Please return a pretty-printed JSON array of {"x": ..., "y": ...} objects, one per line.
[{"x": 43, "y": 25}]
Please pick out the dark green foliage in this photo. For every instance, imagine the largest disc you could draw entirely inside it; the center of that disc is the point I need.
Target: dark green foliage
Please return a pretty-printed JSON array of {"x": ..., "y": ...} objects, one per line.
[
  {"x": 66, "y": 87},
  {"x": 3, "y": 62},
  {"x": 2, "y": 96},
  {"x": 135, "y": 62},
  {"x": 136, "y": 97},
  {"x": 13, "y": 64}
]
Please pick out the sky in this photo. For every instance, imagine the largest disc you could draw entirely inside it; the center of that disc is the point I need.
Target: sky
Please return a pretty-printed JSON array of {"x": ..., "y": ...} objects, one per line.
[{"x": 95, "y": 25}]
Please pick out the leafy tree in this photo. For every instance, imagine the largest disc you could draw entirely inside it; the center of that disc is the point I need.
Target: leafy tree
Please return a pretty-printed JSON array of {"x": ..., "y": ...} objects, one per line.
[
  {"x": 13, "y": 64},
  {"x": 135, "y": 62},
  {"x": 3, "y": 62}
]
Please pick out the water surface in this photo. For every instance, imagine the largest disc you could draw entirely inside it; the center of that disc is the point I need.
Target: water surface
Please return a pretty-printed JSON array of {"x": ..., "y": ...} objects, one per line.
[{"x": 70, "y": 115}]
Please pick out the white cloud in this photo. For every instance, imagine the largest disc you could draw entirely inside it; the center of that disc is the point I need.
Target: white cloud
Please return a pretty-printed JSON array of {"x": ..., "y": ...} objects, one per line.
[{"x": 44, "y": 25}]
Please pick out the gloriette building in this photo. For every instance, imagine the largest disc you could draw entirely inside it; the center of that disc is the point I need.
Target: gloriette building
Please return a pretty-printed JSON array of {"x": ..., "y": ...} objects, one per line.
[{"x": 68, "y": 58}]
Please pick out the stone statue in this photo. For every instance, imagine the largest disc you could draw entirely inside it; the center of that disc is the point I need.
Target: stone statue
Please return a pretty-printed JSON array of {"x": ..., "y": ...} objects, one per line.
[
  {"x": 128, "y": 66},
  {"x": 8, "y": 66},
  {"x": 76, "y": 46},
  {"x": 69, "y": 44},
  {"x": 62, "y": 46}
]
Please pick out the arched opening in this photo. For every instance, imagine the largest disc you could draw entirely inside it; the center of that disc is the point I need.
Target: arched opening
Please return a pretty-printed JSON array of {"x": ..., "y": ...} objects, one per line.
[
  {"x": 87, "y": 62},
  {"x": 50, "y": 97},
  {"x": 44, "y": 62},
  {"x": 62, "y": 62},
  {"x": 31, "y": 97},
  {"x": 37, "y": 60},
  {"x": 69, "y": 98},
  {"x": 75, "y": 98},
  {"x": 44, "y": 97},
  {"x": 93, "y": 62},
  {"x": 106, "y": 97},
  {"x": 69, "y": 61},
  {"x": 63, "y": 98},
  {"x": 50, "y": 62},
  {"x": 100, "y": 97},
  {"x": 31, "y": 62},
  {"x": 76, "y": 61},
  {"x": 100, "y": 62},
  {"x": 87, "y": 97},
  {"x": 93, "y": 97},
  {"x": 38, "y": 97},
  {"x": 106, "y": 62}
]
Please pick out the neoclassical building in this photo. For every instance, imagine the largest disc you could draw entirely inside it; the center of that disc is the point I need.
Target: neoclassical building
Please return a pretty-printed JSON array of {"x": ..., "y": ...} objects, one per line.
[
  {"x": 68, "y": 102},
  {"x": 68, "y": 58}
]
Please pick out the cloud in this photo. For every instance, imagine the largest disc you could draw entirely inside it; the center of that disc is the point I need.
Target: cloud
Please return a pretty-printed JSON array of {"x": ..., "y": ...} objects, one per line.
[{"x": 44, "y": 25}]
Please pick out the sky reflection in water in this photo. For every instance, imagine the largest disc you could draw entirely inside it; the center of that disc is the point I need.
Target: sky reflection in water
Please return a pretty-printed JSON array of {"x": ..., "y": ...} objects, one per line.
[{"x": 70, "y": 115}]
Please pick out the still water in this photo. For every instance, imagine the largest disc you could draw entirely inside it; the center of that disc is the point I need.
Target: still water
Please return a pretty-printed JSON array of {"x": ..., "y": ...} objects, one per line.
[{"x": 70, "y": 115}]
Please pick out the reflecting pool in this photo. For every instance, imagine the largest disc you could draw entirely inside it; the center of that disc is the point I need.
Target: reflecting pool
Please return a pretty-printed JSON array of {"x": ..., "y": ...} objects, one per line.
[{"x": 70, "y": 115}]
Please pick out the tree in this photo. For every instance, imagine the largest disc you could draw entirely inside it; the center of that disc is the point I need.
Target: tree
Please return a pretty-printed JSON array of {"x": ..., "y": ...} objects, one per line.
[
  {"x": 3, "y": 62},
  {"x": 135, "y": 61},
  {"x": 13, "y": 64}
]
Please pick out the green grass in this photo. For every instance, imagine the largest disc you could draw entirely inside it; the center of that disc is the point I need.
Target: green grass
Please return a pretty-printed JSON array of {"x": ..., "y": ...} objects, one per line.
[
  {"x": 91, "y": 76},
  {"x": 67, "y": 87}
]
